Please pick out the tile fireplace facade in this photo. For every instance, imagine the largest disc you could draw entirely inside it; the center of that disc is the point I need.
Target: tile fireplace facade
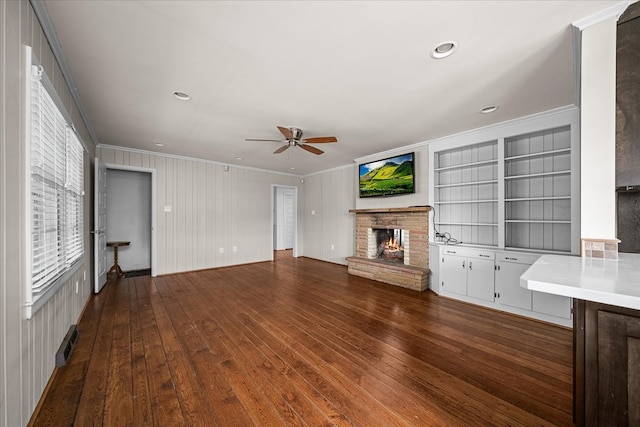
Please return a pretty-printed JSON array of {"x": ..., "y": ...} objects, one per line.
[{"x": 413, "y": 271}]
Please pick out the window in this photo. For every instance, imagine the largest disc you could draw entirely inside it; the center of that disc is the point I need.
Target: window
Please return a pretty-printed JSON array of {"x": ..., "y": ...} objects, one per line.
[{"x": 56, "y": 165}]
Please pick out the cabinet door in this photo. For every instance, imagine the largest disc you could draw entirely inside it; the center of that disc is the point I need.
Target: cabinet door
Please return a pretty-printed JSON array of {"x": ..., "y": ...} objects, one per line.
[
  {"x": 454, "y": 274},
  {"x": 554, "y": 305},
  {"x": 613, "y": 391},
  {"x": 508, "y": 285},
  {"x": 480, "y": 279}
]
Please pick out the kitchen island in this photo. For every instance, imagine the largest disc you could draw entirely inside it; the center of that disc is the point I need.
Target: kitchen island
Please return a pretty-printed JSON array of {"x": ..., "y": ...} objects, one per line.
[{"x": 606, "y": 332}]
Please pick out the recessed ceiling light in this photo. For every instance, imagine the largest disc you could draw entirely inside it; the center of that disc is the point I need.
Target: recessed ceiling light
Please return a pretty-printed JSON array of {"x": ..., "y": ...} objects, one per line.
[
  {"x": 182, "y": 96},
  {"x": 489, "y": 109},
  {"x": 292, "y": 169},
  {"x": 238, "y": 158},
  {"x": 159, "y": 144},
  {"x": 444, "y": 49}
]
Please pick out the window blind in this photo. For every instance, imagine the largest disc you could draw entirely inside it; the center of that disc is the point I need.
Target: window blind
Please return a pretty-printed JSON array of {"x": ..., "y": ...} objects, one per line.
[{"x": 57, "y": 181}]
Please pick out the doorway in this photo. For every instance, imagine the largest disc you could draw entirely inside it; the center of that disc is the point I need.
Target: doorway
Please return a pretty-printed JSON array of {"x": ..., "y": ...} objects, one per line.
[
  {"x": 285, "y": 213},
  {"x": 130, "y": 217}
]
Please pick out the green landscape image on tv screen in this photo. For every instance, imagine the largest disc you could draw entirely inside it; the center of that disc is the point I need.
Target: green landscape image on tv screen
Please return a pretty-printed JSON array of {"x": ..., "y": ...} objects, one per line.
[{"x": 387, "y": 177}]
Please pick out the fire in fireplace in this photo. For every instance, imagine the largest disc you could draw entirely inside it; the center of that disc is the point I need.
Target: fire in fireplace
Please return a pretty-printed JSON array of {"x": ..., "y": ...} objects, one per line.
[{"x": 389, "y": 244}]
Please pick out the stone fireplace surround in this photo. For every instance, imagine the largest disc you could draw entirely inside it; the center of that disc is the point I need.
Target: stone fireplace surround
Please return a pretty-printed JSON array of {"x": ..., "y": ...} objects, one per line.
[{"x": 414, "y": 273}]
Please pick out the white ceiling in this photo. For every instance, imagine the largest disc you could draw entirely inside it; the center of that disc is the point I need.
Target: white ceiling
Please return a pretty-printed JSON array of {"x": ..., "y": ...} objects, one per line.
[{"x": 358, "y": 70}]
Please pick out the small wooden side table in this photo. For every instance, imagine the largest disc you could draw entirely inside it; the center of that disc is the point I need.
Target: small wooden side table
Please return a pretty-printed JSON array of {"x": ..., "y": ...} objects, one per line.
[{"x": 115, "y": 267}]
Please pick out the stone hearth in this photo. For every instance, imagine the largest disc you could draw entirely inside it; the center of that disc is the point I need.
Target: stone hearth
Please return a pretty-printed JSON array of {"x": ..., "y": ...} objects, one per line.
[{"x": 414, "y": 221}]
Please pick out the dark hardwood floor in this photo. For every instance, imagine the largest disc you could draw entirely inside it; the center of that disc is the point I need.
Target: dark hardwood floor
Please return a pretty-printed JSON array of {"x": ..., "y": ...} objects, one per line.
[{"x": 300, "y": 342}]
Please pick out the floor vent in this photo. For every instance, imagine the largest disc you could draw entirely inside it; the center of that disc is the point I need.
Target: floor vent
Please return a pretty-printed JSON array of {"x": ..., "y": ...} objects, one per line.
[{"x": 66, "y": 348}]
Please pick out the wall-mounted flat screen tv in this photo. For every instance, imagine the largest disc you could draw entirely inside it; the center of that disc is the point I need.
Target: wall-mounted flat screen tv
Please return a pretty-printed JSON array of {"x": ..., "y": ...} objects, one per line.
[{"x": 387, "y": 177}]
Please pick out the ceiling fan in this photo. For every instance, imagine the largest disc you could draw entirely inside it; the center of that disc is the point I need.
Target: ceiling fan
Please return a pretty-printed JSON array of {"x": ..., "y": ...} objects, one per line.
[{"x": 293, "y": 138}]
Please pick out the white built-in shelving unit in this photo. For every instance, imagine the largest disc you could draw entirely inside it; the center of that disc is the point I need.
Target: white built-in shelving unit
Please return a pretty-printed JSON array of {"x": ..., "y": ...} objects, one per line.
[
  {"x": 537, "y": 195},
  {"x": 502, "y": 196},
  {"x": 514, "y": 185},
  {"x": 466, "y": 192}
]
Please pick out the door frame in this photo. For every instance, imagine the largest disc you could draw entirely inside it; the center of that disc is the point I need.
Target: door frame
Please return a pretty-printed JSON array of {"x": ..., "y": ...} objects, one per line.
[
  {"x": 154, "y": 252},
  {"x": 274, "y": 187}
]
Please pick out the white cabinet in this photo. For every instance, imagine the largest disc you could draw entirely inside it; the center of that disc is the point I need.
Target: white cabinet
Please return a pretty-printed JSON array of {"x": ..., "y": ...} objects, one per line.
[
  {"x": 509, "y": 268},
  {"x": 492, "y": 279},
  {"x": 466, "y": 272},
  {"x": 512, "y": 297},
  {"x": 552, "y": 305}
]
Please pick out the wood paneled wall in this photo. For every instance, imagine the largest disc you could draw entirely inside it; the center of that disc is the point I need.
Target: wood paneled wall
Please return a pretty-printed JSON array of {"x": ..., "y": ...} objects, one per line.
[
  {"x": 27, "y": 347},
  {"x": 210, "y": 209},
  {"x": 328, "y": 226}
]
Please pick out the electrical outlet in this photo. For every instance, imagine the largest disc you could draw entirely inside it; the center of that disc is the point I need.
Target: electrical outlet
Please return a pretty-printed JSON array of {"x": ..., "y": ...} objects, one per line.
[
  {"x": 332, "y": 247},
  {"x": 235, "y": 249},
  {"x": 221, "y": 250}
]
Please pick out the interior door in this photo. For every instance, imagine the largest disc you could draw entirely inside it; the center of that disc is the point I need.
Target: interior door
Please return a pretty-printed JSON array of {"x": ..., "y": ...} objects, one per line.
[
  {"x": 289, "y": 225},
  {"x": 100, "y": 224}
]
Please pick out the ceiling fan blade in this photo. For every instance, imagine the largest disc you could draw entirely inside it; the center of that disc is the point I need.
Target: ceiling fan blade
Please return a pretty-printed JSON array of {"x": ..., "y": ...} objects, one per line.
[
  {"x": 310, "y": 149},
  {"x": 281, "y": 149},
  {"x": 267, "y": 140},
  {"x": 286, "y": 132},
  {"x": 320, "y": 140}
]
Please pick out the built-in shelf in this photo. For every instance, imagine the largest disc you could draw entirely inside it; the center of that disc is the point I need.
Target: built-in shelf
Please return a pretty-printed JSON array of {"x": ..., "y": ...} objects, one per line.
[
  {"x": 459, "y": 202},
  {"x": 529, "y": 199},
  {"x": 481, "y": 224},
  {"x": 538, "y": 221},
  {"x": 467, "y": 165},
  {"x": 536, "y": 175},
  {"x": 459, "y": 184},
  {"x": 539, "y": 154}
]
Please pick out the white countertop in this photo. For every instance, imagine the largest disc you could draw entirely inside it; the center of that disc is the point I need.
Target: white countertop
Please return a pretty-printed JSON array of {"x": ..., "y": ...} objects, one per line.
[{"x": 614, "y": 282}]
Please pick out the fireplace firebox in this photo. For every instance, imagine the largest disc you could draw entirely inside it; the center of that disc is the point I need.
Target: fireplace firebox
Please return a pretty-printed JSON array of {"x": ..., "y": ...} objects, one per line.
[{"x": 389, "y": 244}]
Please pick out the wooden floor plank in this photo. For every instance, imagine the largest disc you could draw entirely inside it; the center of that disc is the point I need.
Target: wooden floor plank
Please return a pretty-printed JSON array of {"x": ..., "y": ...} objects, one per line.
[
  {"x": 142, "y": 410},
  {"x": 118, "y": 408},
  {"x": 301, "y": 342}
]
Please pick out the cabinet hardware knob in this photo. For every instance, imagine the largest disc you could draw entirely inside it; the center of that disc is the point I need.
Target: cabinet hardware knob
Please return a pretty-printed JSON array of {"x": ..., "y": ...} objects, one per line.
[{"x": 470, "y": 264}]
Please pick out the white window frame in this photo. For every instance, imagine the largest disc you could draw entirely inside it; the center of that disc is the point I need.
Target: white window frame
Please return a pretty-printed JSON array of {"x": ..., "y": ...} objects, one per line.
[{"x": 55, "y": 172}]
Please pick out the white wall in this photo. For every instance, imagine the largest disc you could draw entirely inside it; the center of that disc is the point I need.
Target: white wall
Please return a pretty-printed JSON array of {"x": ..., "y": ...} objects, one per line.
[
  {"x": 329, "y": 228},
  {"x": 27, "y": 347},
  {"x": 598, "y": 130},
  {"x": 211, "y": 209},
  {"x": 129, "y": 218}
]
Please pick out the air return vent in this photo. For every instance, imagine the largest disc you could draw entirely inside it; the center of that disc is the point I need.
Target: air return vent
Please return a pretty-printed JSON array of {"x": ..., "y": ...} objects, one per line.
[{"x": 66, "y": 348}]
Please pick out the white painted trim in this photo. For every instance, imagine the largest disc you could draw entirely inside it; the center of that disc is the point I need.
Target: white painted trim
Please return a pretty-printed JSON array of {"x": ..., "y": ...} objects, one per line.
[
  {"x": 24, "y": 184},
  {"x": 612, "y": 11},
  {"x": 391, "y": 153},
  {"x": 295, "y": 216},
  {"x": 337, "y": 168},
  {"x": 154, "y": 240},
  {"x": 192, "y": 159},
  {"x": 551, "y": 118}
]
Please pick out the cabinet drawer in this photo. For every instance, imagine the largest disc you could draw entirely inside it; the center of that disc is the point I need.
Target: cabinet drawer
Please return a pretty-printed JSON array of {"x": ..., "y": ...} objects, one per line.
[
  {"x": 469, "y": 253},
  {"x": 520, "y": 258}
]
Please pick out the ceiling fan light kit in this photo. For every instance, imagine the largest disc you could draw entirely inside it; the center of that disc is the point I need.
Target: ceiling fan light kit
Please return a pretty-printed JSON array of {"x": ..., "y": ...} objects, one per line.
[{"x": 293, "y": 138}]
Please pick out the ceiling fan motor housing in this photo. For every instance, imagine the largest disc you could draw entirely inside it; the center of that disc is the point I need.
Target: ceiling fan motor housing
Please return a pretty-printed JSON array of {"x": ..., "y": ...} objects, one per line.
[{"x": 297, "y": 133}]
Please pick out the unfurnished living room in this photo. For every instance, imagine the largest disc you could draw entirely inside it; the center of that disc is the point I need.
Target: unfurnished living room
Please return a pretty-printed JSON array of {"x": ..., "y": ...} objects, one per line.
[{"x": 363, "y": 213}]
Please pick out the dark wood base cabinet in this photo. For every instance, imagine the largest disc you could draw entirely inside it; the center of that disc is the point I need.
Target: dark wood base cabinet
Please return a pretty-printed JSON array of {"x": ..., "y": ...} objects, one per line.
[{"x": 606, "y": 365}]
